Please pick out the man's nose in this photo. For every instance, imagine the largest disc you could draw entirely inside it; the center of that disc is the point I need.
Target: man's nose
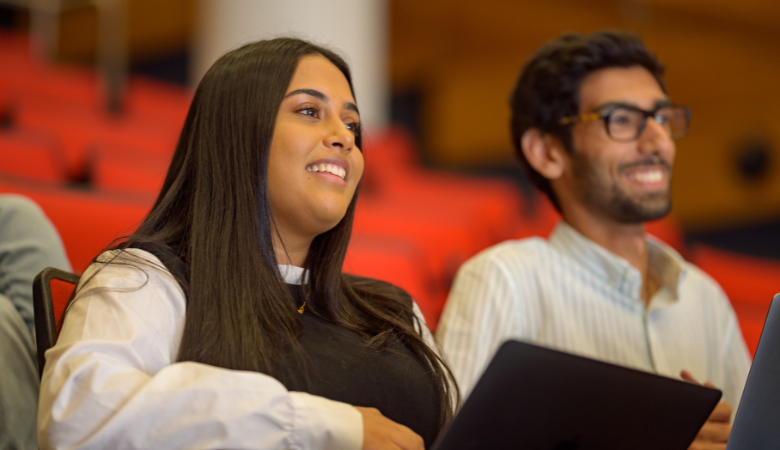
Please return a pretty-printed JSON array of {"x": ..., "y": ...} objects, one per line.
[{"x": 655, "y": 137}]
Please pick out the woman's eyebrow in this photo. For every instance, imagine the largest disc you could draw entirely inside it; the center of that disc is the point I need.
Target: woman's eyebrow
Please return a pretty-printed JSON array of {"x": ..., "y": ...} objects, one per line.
[
  {"x": 349, "y": 106},
  {"x": 314, "y": 93},
  {"x": 322, "y": 97}
]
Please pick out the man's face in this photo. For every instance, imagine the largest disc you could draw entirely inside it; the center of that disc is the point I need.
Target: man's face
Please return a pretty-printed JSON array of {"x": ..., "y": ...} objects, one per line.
[{"x": 628, "y": 182}]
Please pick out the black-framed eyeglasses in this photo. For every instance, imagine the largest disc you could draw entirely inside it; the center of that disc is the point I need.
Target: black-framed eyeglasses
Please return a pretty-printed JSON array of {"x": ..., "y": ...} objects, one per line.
[{"x": 625, "y": 123}]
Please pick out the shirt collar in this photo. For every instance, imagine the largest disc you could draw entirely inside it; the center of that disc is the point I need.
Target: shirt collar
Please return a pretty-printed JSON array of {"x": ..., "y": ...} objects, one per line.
[
  {"x": 667, "y": 265},
  {"x": 294, "y": 274}
]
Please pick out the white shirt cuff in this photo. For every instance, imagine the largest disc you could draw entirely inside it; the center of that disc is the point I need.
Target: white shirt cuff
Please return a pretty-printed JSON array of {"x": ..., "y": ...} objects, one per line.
[{"x": 328, "y": 424}]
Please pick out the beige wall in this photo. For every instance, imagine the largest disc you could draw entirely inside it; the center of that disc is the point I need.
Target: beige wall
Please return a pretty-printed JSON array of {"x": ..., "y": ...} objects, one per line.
[{"x": 356, "y": 29}]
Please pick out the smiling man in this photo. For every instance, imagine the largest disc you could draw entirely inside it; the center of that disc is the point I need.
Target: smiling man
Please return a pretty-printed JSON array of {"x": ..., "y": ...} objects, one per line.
[{"x": 595, "y": 130}]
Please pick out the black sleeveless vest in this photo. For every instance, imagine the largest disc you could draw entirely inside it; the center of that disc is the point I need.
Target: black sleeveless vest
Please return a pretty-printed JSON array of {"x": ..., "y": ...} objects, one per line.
[{"x": 340, "y": 366}]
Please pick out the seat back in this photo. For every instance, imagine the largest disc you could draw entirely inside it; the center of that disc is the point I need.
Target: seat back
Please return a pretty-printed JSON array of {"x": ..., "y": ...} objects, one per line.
[
  {"x": 749, "y": 282},
  {"x": 51, "y": 290},
  {"x": 34, "y": 154}
]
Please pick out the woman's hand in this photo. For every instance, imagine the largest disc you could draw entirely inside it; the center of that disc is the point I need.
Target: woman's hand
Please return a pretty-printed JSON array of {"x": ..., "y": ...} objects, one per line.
[{"x": 381, "y": 433}]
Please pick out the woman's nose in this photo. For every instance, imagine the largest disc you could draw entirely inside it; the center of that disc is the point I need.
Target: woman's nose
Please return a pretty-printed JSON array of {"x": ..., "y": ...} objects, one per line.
[{"x": 339, "y": 137}]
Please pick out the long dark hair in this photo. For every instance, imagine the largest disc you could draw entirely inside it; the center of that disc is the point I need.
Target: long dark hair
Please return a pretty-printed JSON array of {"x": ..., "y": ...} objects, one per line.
[{"x": 211, "y": 227}]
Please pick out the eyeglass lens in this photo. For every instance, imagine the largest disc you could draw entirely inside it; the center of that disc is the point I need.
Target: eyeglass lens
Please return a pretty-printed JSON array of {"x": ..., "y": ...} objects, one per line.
[{"x": 626, "y": 123}]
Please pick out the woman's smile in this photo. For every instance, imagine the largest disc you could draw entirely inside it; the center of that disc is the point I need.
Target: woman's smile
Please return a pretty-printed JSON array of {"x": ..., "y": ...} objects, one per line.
[{"x": 332, "y": 169}]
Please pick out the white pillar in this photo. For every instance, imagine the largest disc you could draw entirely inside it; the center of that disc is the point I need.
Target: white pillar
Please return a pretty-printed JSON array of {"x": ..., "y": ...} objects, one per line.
[{"x": 356, "y": 29}]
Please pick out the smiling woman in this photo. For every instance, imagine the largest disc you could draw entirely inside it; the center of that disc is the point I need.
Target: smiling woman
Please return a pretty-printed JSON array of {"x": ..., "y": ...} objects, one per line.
[
  {"x": 225, "y": 321},
  {"x": 316, "y": 131}
]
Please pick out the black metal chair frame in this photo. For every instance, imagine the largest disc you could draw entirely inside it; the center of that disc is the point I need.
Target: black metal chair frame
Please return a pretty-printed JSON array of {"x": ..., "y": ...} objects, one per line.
[{"x": 45, "y": 323}]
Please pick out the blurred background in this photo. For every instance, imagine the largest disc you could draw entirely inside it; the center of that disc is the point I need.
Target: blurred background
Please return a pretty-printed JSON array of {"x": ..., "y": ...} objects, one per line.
[{"x": 93, "y": 94}]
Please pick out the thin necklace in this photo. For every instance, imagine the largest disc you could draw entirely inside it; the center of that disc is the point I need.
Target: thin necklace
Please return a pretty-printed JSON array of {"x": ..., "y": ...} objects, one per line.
[{"x": 300, "y": 310}]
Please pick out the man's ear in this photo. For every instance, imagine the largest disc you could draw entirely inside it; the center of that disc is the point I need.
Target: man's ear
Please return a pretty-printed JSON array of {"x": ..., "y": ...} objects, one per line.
[{"x": 544, "y": 153}]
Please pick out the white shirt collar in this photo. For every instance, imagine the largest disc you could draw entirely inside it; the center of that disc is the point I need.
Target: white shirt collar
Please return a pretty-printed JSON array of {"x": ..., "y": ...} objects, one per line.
[
  {"x": 294, "y": 274},
  {"x": 666, "y": 263}
]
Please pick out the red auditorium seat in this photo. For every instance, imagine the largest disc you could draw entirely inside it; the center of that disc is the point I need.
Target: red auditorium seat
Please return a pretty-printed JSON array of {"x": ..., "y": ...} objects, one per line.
[
  {"x": 82, "y": 85},
  {"x": 445, "y": 243},
  {"x": 393, "y": 171},
  {"x": 749, "y": 282},
  {"x": 162, "y": 101},
  {"x": 450, "y": 217},
  {"x": 59, "y": 81},
  {"x": 69, "y": 101},
  {"x": 122, "y": 168},
  {"x": 13, "y": 46},
  {"x": 81, "y": 127},
  {"x": 395, "y": 260},
  {"x": 497, "y": 205},
  {"x": 392, "y": 146},
  {"x": 30, "y": 153},
  {"x": 446, "y": 235},
  {"x": 87, "y": 221}
]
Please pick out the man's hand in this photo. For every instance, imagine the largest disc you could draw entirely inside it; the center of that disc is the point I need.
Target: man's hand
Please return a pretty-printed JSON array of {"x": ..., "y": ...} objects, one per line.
[
  {"x": 381, "y": 433},
  {"x": 716, "y": 430}
]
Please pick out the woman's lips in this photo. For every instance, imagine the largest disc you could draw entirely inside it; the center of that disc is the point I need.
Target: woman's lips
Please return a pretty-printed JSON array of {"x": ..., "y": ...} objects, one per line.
[
  {"x": 331, "y": 168},
  {"x": 330, "y": 171}
]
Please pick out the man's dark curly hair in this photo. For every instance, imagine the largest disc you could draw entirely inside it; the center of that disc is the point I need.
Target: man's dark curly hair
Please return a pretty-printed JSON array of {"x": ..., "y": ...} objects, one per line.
[{"x": 549, "y": 85}]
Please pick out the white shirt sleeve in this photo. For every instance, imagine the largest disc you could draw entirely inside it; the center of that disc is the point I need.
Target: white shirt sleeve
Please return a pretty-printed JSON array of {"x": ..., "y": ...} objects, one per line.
[
  {"x": 112, "y": 380},
  {"x": 480, "y": 314},
  {"x": 425, "y": 332},
  {"x": 433, "y": 344},
  {"x": 735, "y": 357}
]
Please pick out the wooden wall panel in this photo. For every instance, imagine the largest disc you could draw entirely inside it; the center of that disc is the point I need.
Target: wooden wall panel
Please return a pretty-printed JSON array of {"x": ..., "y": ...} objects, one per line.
[{"x": 154, "y": 28}]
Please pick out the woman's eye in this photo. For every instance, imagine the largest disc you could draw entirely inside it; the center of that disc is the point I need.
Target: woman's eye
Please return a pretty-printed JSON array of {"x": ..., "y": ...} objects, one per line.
[
  {"x": 354, "y": 127},
  {"x": 309, "y": 111}
]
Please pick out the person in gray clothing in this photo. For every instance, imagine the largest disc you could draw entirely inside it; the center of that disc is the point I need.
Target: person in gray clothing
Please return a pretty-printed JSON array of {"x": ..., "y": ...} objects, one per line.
[{"x": 28, "y": 244}]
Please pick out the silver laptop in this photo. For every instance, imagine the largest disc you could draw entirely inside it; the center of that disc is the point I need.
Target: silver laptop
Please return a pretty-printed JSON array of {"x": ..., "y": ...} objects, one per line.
[{"x": 757, "y": 423}]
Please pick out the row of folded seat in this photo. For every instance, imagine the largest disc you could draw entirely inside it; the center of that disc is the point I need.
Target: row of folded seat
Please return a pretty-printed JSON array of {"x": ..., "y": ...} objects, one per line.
[
  {"x": 96, "y": 175},
  {"x": 88, "y": 221},
  {"x": 57, "y": 112},
  {"x": 749, "y": 282}
]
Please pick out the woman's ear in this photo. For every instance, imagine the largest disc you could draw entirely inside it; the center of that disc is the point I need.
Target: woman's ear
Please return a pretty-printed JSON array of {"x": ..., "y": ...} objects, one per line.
[{"x": 544, "y": 153}]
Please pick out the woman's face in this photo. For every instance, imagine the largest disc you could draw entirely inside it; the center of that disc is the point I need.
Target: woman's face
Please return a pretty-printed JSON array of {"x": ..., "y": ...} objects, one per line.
[{"x": 314, "y": 166}]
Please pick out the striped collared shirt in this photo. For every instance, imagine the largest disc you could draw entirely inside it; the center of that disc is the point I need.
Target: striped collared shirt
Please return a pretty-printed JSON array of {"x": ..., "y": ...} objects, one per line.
[{"x": 570, "y": 294}]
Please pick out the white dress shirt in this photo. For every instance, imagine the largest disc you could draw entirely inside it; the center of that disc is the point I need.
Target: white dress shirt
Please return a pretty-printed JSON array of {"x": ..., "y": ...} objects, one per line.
[
  {"x": 572, "y": 295},
  {"x": 112, "y": 380}
]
